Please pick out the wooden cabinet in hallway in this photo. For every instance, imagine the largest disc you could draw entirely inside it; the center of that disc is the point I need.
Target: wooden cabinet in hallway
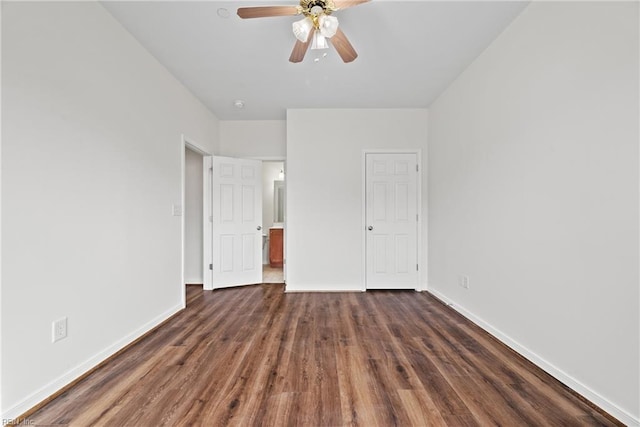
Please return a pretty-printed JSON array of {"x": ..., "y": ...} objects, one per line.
[{"x": 276, "y": 257}]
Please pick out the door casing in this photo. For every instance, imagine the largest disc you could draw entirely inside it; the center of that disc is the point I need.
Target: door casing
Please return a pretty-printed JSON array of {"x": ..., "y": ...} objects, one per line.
[{"x": 186, "y": 142}]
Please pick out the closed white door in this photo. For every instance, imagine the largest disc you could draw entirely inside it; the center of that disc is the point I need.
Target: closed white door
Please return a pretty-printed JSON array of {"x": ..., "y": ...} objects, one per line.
[
  {"x": 391, "y": 197},
  {"x": 236, "y": 222}
]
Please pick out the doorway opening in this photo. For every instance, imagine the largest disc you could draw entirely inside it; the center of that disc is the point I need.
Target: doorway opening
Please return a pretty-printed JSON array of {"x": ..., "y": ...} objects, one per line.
[
  {"x": 273, "y": 220},
  {"x": 191, "y": 210},
  {"x": 193, "y": 206}
]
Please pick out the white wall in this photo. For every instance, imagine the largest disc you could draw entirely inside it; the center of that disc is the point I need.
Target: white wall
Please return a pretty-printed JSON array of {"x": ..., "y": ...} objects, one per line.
[
  {"x": 193, "y": 233},
  {"x": 324, "y": 189},
  {"x": 262, "y": 139},
  {"x": 91, "y": 165},
  {"x": 533, "y": 193}
]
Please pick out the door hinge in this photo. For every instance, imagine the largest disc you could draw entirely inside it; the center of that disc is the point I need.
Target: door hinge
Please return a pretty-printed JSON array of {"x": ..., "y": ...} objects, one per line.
[
  {"x": 417, "y": 218},
  {"x": 210, "y": 266},
  {"x": 211, "y": 169},
  {"x": 417, "y": 168},
  {"x": 417, "y": 267}
]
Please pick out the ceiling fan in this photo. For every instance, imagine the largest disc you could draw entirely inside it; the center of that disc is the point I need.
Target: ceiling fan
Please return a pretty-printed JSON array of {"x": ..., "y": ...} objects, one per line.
[{"x": 315, "y": 28}]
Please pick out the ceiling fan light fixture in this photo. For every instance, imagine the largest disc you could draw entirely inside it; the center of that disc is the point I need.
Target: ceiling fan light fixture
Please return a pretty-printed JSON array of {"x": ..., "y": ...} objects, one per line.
[
  {"x": 328, "y": 25},
  {"x": 319, "y": 41},
  {"x": 317, "y": 22},
  {"x": 302, "y": 29}
]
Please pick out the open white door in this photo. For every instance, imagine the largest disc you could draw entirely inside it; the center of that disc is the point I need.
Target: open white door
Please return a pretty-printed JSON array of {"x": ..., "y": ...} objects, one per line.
[
  {"x": 236, "y": 222},
  {"x": 391, "y": 197}
]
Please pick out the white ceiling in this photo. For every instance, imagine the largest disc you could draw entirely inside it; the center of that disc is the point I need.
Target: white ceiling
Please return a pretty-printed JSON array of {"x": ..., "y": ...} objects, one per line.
[{"x": 409, "y": 52}]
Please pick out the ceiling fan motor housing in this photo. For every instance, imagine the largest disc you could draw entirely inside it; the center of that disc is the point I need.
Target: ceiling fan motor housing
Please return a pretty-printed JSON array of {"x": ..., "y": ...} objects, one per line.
[{"x": 316, "y": 7}]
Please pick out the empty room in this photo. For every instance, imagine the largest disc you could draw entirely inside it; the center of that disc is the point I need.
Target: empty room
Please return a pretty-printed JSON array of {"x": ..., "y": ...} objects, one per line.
[{"x": 320, "y": 213}]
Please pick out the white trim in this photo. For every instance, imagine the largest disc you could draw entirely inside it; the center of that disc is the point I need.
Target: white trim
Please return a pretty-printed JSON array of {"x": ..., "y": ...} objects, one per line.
[
  {"x": 422, "y": 266},
  {"x": 54, "y": 386},
  {"x": 263, "y": 158},
  {"x": 422, "y": 215},
  {"x": 608, "y": 406},
  {"x": 183, "y": 181},
  {"x": 363, "y": 225},
  {"x": 347, "y": 287},
  {"x": 423, "y": 225}
]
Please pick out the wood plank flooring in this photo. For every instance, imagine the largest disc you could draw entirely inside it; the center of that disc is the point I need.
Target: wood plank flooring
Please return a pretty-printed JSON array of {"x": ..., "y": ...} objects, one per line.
[{"x": 257, "y": 356}]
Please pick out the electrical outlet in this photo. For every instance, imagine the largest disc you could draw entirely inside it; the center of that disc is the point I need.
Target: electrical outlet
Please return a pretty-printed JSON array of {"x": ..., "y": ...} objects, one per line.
[
  {"x": 463, "y": 281},
  {"x": 59, "y": 329}
]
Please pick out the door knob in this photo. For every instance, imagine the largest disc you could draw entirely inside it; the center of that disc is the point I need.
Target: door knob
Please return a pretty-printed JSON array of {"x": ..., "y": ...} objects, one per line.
[
  {"x": 259, "y": 228},
  {"x": 370, "y": 227}
]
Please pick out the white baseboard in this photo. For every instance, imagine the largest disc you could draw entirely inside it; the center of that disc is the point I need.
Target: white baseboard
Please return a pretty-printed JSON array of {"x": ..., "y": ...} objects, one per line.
[
  {"x": 552, "y": 370},
  {"x": 289, "y": 288},
  {"x": 51, "y": 388}
]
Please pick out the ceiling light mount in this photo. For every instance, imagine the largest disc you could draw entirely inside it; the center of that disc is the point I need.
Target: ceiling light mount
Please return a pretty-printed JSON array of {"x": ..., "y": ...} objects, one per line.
[
  {"x": 239, "y": 104},
  {"x": 317, "y": 7}
]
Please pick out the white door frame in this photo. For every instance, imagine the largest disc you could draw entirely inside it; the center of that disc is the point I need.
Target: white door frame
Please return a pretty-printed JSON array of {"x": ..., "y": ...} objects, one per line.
[
  {"x": 207, "y": 223},
  {"x": 421, "y": 213},
  {"x": 185, "y": 142}
]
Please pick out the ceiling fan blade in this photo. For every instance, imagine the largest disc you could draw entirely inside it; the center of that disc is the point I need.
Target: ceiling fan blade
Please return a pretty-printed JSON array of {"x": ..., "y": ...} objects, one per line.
[
  {"x": 342, "y": 45},
  {"x": 266, "y": 11},
  {"x": 300, "y": 49},
  {"x": 343, "y": 4}
]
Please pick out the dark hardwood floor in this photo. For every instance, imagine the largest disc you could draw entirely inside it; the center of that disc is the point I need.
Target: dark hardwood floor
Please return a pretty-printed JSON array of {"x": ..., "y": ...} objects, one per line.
[{"x": 257, "y": 356}]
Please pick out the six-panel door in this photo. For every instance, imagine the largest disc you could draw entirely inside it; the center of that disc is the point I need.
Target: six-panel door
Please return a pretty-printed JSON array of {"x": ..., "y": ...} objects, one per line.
[
  {"x": 236, "y": 221},
  {"x": 391, "y": 221}
]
